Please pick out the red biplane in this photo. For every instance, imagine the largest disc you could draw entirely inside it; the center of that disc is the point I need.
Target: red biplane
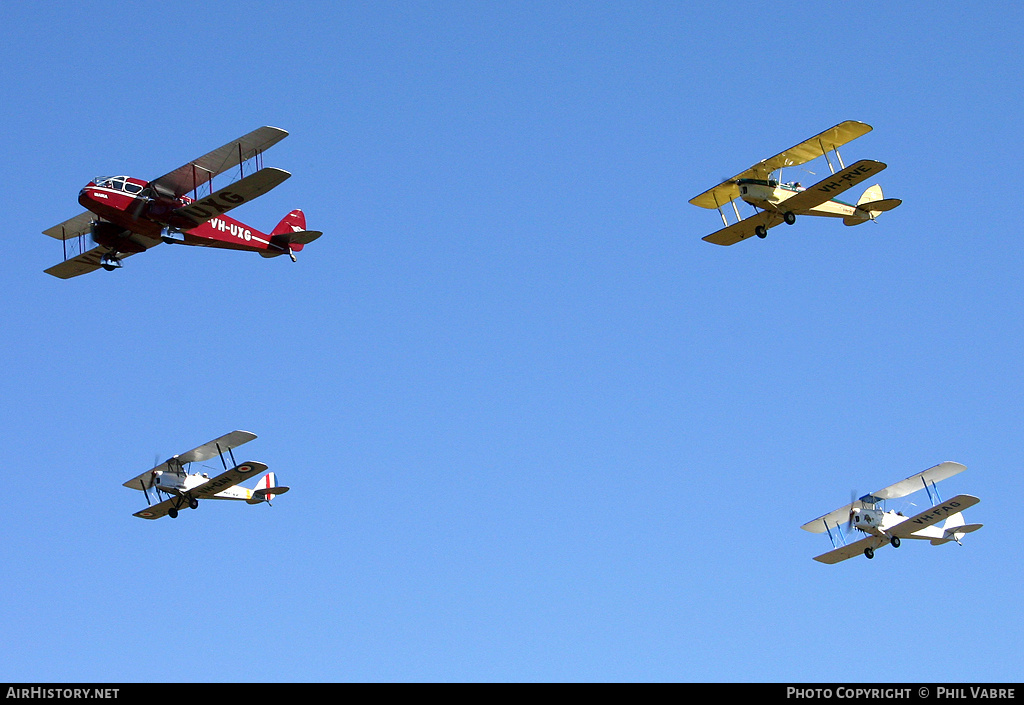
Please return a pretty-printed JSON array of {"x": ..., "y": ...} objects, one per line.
[{"x": 127, "y": 215}]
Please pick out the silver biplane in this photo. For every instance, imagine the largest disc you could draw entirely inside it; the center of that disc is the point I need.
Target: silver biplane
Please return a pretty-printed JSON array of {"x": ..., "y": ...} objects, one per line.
[
  {"x": 868, "y": 516},
  {"x": 777, "y": 202},
  {"x": 175, "y": 488}
]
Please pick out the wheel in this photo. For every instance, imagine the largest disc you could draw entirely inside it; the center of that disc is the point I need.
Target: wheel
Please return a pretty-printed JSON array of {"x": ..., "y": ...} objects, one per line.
[
  {"x": 895, "y": 541},
  {"x": 193, "y": 503},
  {"x": 789, "y": 217},
  {"x": 172, "y": 513},
  {"x": 869, "y": 552},
  {"x": 761, "y": 231}
]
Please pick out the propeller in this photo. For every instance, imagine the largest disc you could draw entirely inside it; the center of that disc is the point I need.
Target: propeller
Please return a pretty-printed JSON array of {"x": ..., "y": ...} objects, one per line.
[{"x": 849, "y": 519}]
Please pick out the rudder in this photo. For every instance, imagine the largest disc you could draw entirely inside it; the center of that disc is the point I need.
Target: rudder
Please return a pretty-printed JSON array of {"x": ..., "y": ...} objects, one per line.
[{"x": 290, "y": 235}]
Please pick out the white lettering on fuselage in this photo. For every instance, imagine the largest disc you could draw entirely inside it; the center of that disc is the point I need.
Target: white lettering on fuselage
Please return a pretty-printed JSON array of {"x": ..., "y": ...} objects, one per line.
[{"x": 238, "y": 231}]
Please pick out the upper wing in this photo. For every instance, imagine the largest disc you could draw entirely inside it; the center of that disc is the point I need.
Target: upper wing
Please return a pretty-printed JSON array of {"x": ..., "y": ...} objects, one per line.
[
  {"x": 199, "y": 171},
  {"x": 933, "y": 515},
  {"x": 830, "y": 520},
  {"x": 900, "y": 489},
  {"x": 808, "y": 150},
  {"x": 233, "y": 195},
  {"x": 73, "y": 227},
  {"x": 732, "y": 234},
  {"x": 832, "y": 186},
  {"x": 197, "y": 455},
  {"x": 918, "y": 481},
  {"x": 812, "y": 148},
  {"x": 851, "y": 549},
  {"x": 228, "y": 478},
  {"x": 718, "y": 196}
]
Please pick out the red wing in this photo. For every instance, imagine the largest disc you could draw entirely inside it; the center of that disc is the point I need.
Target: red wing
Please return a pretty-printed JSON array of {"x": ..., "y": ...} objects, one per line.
[{"x": 199, "y": 171}]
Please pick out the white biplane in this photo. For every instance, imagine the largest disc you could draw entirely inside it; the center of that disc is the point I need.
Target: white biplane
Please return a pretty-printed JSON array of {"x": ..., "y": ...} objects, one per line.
[
  {"x": 777, "y": 202},
  {"x": 889, "y": 527},
  {"x": 183, "y": 489}
]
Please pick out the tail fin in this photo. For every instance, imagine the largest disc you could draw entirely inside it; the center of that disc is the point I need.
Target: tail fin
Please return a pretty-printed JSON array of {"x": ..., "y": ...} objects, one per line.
[
  {"x": 954, "y": 529},
  {"x": 873, "y": 193},
  {"x": 290, "y": 235},
  {"x": 296, "y": 220},
  {"x": 266, "y": 489},
  {"x": 870, "y": 204}
]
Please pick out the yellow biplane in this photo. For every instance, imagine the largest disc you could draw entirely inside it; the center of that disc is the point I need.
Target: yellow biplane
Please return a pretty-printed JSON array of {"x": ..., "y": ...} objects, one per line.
[{"x": 779, "y": 202}]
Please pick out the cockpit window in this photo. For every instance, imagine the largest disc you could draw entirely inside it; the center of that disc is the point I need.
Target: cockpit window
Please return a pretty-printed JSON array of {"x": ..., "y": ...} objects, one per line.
[{"x": 119, "y": 183}]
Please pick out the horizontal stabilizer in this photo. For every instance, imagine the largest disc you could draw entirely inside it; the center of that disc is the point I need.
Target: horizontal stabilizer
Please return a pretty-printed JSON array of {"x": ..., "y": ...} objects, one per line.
[
  {"x": 232, "y": 196},
  {"x": 304, "y": 237},
  {"x": 260, "y": 495},
  {"x": 286, "y": 242},
  {"x": 955, "y": 533},
  {"x": 886, "y": 204}
]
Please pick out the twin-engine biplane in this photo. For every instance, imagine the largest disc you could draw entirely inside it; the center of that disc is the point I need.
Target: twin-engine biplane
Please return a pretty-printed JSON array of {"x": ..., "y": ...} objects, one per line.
[
  {"x": 175, "y": 488},
  {"x": 126, "y": 216},
  {"x": 889, "y": 527},
  {"x": 777, "y": 202}
]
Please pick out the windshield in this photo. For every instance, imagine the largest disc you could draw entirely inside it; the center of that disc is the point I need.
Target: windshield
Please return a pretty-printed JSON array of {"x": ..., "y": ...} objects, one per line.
[{"x": 118, "y": 183}]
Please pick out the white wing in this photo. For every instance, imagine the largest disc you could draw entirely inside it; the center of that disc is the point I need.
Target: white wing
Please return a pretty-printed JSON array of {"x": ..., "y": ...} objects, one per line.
[{"x": 206, "y": 451}]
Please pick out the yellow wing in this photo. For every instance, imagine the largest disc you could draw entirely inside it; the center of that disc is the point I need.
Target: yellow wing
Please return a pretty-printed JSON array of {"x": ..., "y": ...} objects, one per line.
[{"x": 806, "y": 151}]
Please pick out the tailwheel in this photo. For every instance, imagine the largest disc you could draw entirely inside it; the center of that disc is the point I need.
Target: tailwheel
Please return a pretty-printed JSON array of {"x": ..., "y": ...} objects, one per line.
[
  {"x": 869, "y": 552},
  {"x": 895, "y": 541},
  {"x": 789, "y": 217}
]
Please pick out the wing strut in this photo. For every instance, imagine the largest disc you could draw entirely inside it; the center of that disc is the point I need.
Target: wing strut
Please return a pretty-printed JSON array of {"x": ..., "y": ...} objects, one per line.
[
  {"x": 936, "y": 499},
  {"x": 840, "y": 534},
  {"x": 230, "y": 455}
]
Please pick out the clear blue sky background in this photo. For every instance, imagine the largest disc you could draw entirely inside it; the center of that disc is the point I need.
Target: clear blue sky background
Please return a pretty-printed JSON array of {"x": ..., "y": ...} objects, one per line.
[{"x": 536, "y": 429}]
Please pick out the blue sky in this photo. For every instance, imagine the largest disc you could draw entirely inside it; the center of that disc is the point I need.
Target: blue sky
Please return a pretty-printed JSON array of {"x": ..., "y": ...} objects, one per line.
[{"x": 535, "y": 428}]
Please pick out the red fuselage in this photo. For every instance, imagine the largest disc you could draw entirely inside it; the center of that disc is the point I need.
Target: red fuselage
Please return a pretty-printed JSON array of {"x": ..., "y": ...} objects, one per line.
[{"x": 121, "y": 200}]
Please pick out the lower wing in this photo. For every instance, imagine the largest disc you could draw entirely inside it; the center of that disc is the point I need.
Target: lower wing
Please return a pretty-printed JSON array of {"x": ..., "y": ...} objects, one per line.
[
  {"x": 227, "y": 479},
  {"x": 84, "y": 263},
  {"x": 933, "y": 515},
  {"x": 851, "y": 549},
  {"x": 745, "y": 228},
  {"x": 832, "y": 186}
]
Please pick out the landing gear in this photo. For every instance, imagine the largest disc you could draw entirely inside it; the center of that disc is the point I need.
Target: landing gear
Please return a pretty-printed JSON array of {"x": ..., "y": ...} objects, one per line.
[
  {"x": 895, "y": 541},
  {"x": 789, "y": 217},
  {"x": 761, "y": 231},
  {"x": 110, "y": 262},
  {"x": 869, "y": 552},
  {"x": 193, "y": 503},
  {"x": 172, "y": 513}
]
